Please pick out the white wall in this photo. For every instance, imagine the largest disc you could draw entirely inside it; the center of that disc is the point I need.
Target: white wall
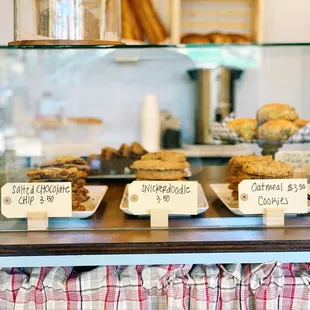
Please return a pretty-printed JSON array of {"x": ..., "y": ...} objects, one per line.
[
  {"x": 282, "y": 76},
  {"x": 6, "y": 21}
]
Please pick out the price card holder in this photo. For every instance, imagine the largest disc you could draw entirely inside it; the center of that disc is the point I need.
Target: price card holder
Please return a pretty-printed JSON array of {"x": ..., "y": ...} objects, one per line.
[
  {"x": 36, "y": 202},
  {"x": 161, "y": 198},
  {"x": 273, "y": 198},
  {"x": 37, "y": 220}
]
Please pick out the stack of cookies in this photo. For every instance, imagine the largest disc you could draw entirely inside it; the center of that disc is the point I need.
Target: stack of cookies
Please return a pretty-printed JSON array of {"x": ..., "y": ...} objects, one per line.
[
  {"x": 65, "y": 169},
  {"x": 249, "y": 167},
  {"x": 161, "y": 166}
]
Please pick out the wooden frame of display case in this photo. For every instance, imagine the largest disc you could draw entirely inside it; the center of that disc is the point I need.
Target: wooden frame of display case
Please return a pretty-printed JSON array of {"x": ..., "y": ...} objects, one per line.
[
  {"x": 217, "y": 236},
  {"x": 171, "y": 13}
]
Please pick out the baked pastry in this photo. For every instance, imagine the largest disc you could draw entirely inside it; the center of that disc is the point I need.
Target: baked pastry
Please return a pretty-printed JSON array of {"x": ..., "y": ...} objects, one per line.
[
  {"x": 137, "y": 149},
  {"x": 131, "y": 29},
  {"x": 278, "y": 130},
  {"x": 273, "y": 169},
  {"x": 49, "y": 173},
  {"x": 115, "y": 161},
  {"x": 246, "y": 128},
  {"x": 164, "y": 166},
  {"x": 194, "y": 38},
  {"x": 219, "y": 38},
  {"x": 300, "y": 123},
  {"x": 158, "y": 165},
  {"x": 160, "y": 175},
  {"x": 255, "y": 167},
  {"x": 149, "y": 21},
  {"x": 276, "y": 111},
  {"x": 238, "y": 38},
  {"x": 62, "y": 160},
  {"x": 165, "y": 156},
  {"x": 236, "y": 162},
  {"x": 64, "y": 169},
  {"x": 84, "y": 120}
]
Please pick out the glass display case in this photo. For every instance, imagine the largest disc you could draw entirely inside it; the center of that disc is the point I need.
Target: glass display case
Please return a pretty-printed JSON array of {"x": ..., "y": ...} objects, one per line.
[{"x": 164, "y": 119}]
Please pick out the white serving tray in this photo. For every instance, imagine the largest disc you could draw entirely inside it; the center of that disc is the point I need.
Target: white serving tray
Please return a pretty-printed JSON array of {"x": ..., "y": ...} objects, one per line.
[
  {"x": 96, "y": 194},
  {"x": 124, "y": 176},
  {"x": 203, "y": 205},
  {"x": 224, "y": 194}
]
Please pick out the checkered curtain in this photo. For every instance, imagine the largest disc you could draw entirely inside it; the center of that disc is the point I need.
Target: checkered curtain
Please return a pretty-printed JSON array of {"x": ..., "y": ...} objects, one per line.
[{"x": 173, "y": 287}]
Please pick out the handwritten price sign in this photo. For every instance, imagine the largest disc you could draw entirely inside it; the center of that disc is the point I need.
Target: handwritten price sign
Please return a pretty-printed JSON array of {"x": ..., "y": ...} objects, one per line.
[
  {"x": 296, "y": 159},
  {"x": 290, "y": 194},
  {"x": 17, "y": 199},
  {"x": 178, "y": 197}
]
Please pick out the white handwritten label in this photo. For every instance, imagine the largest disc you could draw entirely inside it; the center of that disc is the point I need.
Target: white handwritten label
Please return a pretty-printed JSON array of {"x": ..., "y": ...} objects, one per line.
[
  {"x": 290, "y": 194},
  {"x": 17, "y": 199},
  {"x": 176, "y": 196},
  {"x": 296, "y": 159}
]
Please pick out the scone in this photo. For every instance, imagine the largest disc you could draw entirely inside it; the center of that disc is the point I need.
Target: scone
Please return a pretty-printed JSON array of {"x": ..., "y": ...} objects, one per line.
[
  {"x": 275, "y": 111},
  {"x": 245, "y": 128},
  {"x": 300, "y": 123},
  {"x": 277, "y": 130}
]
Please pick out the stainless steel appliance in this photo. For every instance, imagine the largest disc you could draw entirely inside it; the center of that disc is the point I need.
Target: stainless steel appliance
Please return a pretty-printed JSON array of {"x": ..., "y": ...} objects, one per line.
[{"x": 215, "y": 98}]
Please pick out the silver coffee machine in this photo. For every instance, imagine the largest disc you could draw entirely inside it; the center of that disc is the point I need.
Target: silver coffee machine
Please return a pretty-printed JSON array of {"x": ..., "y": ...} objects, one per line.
[{"x": 215, "y": 98}]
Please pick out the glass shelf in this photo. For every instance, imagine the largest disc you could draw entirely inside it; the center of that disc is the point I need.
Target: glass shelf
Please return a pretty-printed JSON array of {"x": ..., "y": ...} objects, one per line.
[{"x": 188, "y": 46}]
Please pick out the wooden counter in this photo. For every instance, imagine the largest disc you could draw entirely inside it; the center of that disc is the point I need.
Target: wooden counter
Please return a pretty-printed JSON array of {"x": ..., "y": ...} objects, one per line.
[{"x": 110, "y": 231}]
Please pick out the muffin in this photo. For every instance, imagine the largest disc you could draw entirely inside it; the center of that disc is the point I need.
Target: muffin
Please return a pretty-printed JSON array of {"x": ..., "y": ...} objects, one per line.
[
  {"x": 277, "y": 130},
  {"x": 276, "y": 111},
  {"x": 245, "y": 128}
]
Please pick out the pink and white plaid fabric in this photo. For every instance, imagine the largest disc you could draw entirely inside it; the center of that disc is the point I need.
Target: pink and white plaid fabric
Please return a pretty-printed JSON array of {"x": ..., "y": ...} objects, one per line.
[{"x": 173, "y": 287}]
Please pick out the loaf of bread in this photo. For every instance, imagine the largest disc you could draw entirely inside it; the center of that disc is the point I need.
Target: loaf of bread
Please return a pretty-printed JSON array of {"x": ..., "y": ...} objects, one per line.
[
  {"x": 131, "y": 29},
  {"x": 194, "y": 38},
  {"x": 149, "y": 21}
]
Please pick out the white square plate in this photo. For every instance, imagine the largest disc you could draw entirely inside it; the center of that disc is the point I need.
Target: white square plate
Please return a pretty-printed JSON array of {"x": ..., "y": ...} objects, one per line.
[
  {"x": 224, "y": 194},
  {"x": 96, "y": 194}
]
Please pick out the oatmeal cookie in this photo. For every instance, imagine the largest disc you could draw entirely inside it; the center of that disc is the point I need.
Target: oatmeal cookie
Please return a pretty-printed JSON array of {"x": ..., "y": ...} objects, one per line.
[{"x": 274, "y": 169}]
